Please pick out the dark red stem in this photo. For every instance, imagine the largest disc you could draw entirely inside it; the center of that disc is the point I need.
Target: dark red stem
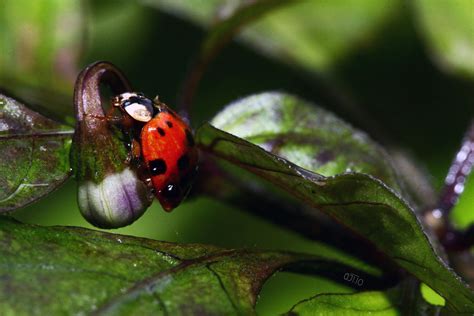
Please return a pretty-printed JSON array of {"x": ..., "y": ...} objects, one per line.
[
  {"x": 454, "y": 184},
  {"x": 219, "y": 35},
  {"x": 458, "y": 172}
]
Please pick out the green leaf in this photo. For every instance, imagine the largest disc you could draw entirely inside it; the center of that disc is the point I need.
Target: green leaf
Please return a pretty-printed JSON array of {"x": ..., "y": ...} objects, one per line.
[
  {"x": 448, "y": 29},
  {"x": 232, "y": 19},
  {"x": 360, "y": 201},
  {"x": 61, "y": 270},
  {"x": 306, "y": 135},
  {"x": 383, "y": 303},
  {"x": 35, "y": 154},
  {"x": 41, "y": 43},
  {"x": 315, "y": 35},
  {"x": 198, "y": 11},
  {"x": 431, "y": 296}
]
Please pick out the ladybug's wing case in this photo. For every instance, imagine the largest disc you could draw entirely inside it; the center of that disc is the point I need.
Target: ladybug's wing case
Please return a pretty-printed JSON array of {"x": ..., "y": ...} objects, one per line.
[{"x": 170, "y": 156}]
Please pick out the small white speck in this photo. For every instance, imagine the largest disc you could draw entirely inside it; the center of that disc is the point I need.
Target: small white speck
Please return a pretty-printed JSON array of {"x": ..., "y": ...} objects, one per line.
[
  {"x": 461, "y": 179},
  {"x": 450, "y": 179},
  {"x": 454, "y": 168},
  {"x": 437, "y": 213},
  {"x": 119, "y": 240},
  {"x": 134, "y": 265},
  {"x": 466, "y": 170},
  {"x": 471, "y": 157},
  {"x": 459, "y": 188},
  {"x": 42, "y": 148},
  {"x": 461, "y": 156},
  {"x": 4, "y": 126}
]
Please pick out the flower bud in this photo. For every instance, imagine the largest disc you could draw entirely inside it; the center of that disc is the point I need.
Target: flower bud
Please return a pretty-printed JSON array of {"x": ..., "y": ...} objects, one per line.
[
  {"x": 118, "y": 200},
  {"x": 110, "y": 194}
]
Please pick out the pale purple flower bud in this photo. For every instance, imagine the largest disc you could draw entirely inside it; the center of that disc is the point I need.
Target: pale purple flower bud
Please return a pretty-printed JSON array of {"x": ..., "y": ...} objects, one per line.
[{"x": 118, "y": 200}]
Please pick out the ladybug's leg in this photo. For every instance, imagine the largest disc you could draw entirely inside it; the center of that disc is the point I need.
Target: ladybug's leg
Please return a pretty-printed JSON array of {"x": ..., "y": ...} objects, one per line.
[
  {"x": 141, "y": 168},
  {"x": 112, "y": 117},
  {"x": 97, "y": 117},
  {"x": 110, "y": 114},
  {"x": 134, "y": 156},
  {"x": 136, "y": 150}
]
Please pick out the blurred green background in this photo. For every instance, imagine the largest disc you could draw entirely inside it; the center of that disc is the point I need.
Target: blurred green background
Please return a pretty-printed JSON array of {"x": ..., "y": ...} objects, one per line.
[{"x": 380, "y": 65}]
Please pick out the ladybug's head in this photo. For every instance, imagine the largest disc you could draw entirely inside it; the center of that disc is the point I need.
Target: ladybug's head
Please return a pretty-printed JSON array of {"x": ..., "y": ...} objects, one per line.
[{"x": 136, "y": 105}]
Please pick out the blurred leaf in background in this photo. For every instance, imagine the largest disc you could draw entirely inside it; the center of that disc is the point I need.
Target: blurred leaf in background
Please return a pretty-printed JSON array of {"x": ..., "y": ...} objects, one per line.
[
  {"x": 448, "y": 29},
  {"x": 310, "y": 34},
  {"x": 41, "y": 43}
]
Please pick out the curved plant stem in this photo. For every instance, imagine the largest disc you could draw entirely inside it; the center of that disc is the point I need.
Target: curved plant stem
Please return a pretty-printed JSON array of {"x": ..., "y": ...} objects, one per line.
[
  {"x": 87, "y": 89},
  {"x": 93, "y": 130},
  {"x": 221, "y": 33},
  {"x": 458, "y": 172}
]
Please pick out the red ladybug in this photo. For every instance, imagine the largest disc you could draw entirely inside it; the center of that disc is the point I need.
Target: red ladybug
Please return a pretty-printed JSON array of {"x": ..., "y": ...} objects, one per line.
[{"x": 167, "y": 146}]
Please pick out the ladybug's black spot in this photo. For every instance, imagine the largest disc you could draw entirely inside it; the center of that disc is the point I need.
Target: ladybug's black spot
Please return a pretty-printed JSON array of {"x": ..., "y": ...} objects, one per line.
[
  {"x": 183, "y": 162},
  {"x": 171, "y": 191},
  {"x": 157, "y": 167},
  {"x": 161, "y": 131},
  {"x": 189, "y": 138},
  {"x": 170, "y": 125}
]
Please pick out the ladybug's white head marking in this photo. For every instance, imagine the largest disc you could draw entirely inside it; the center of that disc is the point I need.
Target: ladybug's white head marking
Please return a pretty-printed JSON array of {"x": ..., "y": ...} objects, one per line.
[{"x": 136, "y": 105}]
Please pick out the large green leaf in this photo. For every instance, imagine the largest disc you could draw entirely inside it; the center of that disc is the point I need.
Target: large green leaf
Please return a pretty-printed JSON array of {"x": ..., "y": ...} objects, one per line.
[
  {"x": 358, "y": 200},
  {"x": 40, "y": 46},
  {"x": 51, "y": 270},
  {"x": 448, "y": 29},
  {"x": 35, "y": 154}
]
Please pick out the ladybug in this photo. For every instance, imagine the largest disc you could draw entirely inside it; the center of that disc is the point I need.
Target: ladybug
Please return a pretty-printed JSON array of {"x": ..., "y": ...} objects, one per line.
[{"x": 167, "y": 149}]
